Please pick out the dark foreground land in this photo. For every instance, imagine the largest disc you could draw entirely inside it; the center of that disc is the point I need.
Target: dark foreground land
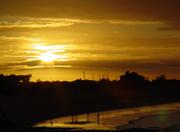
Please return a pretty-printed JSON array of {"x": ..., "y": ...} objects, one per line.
[
  {"x": 66, "y": 129},
  {"x": 24, "y": 103}
]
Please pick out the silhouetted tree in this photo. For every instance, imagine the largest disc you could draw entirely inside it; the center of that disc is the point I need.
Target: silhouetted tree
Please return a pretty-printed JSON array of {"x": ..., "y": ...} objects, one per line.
[
  {"x": 161, "y": 77},
  {"x": 132, "y": 76}
]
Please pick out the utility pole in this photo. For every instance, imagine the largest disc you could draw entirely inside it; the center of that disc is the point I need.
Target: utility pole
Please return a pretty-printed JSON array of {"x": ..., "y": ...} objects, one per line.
[
  {"x": 99, "y": 77},
  {"x": 93, "y": 76},
  {"x": 103, "y": 76},
  {"x": 84, "y": 75},
  {"x": 88, "y": 117},
  {"x": 72, "y": 118},
  {"x": 108, "y": 75},
  {"x": 76, "y": 118},
  {"x": 98, "y": 118}
]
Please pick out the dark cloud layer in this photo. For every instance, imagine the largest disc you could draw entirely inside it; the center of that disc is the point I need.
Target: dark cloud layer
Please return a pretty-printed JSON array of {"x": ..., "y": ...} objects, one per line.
[
  {"x": 107, "y": 64},
  {"x": 146, "y": 10}
]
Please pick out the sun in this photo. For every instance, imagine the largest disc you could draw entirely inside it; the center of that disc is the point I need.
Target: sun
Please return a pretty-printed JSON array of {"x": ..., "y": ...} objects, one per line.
[
  {"x": 50, "y": 53},
  {"x": 48, "y": 57}
]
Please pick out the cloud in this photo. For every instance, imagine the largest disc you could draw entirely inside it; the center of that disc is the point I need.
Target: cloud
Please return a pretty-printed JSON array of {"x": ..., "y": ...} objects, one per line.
[
  {"x": 165, "y": 11},
  {"x": 172, "y": 25},
  {"x": 30, "y": 64},
  {"x": 29, "y": 22},
  {"x": 12, "y": 38},
  {"x": 139, "y": 64},
  {"x": 10, "y": 22}
]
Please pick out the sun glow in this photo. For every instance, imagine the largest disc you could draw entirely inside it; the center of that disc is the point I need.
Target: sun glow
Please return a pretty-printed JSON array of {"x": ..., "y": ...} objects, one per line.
[
  {"x": 52, "y": 48},
  {"x": 50, "y": 53},
  {"x": 48, "y": 57}
]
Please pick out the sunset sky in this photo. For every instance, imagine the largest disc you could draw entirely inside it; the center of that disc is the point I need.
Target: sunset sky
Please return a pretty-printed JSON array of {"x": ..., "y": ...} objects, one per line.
[{"x": 61, "y": 39}]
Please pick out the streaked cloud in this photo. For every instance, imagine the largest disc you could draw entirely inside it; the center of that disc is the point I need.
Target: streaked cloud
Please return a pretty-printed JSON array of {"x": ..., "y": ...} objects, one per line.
[
  {"x": 14, "y": 38},
  {"x": 127, "y": 10},
  {"x": 141, "y": 64},
  {"x": 28, "y": 22},
  {"x": 9, "y": 22},
  {"x": 31, "y": 64}
]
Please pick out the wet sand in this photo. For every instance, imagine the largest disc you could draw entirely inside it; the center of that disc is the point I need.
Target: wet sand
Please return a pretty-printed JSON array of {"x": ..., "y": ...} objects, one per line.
[{"x": 156, "y": 116}]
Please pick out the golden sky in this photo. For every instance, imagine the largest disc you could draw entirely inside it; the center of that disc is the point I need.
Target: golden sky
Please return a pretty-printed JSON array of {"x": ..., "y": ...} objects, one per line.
[{"x": 60, "y": 39}]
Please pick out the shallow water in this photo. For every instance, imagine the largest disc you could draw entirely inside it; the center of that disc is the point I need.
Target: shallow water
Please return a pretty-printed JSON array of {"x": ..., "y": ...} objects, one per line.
[{"x": 157, "y": 116}]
